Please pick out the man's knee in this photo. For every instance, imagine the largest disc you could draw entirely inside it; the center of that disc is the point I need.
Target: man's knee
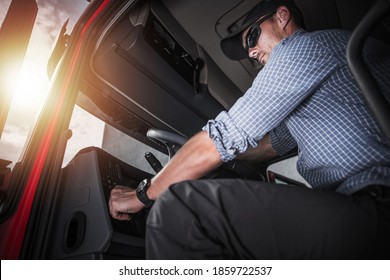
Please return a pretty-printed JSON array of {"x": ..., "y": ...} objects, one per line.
[{"x": 170, "y": 206}]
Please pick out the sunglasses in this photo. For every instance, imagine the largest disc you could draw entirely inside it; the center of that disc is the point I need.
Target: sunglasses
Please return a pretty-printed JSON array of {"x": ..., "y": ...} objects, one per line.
[{"x": 254, "y": 32}]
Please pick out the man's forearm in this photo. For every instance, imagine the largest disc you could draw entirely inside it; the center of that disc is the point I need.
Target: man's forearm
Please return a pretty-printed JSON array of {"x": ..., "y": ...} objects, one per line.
[
  {"x": 195, "y": 159},
  {"x": 263, "y": 152}
]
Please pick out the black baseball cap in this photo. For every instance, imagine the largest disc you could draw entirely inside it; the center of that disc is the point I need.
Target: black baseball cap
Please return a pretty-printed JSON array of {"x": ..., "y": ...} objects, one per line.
[{"x": 232, "y": 44}]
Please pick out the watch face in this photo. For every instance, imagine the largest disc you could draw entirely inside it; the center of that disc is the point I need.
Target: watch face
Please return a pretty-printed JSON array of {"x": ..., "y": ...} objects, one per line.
[
  {"x": 141, "y": 187},
  {"x": 141, "y": 192}
]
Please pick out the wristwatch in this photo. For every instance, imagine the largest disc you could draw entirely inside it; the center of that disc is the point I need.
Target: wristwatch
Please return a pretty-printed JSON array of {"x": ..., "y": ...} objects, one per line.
[{"x": 141, "y": 193}]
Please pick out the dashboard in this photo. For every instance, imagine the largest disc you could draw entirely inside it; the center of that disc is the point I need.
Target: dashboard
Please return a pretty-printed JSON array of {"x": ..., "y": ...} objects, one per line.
[{"x": 85, "y": 229}]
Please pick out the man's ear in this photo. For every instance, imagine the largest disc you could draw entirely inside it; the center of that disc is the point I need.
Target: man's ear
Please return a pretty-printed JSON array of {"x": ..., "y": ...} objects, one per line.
[{"x": 283, "y": 16}]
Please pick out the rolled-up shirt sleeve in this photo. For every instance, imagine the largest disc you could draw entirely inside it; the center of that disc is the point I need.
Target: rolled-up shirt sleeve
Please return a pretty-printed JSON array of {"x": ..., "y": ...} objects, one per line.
[{"x": 229, "y": 139}]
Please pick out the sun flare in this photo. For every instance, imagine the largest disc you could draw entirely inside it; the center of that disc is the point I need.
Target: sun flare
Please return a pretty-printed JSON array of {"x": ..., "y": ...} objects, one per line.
[{"x": 30, "y": 86}]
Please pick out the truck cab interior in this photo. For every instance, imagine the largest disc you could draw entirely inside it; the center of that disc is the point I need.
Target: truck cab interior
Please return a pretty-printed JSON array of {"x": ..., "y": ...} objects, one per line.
[{"x": 151, "y": 71}]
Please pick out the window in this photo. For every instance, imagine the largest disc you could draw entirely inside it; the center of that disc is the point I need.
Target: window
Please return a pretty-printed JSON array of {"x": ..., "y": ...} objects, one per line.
[
  {"x": 88, "y": 130},
  {"x": 30, "y": 87}
]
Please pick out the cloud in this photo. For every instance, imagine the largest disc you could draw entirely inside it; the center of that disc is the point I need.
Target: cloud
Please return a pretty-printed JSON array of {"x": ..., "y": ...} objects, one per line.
[
  {"x": 4, "y": 5},
  {"x": 11, "y": 147},
  {"x": 53, "y": 13},
  {"x": 10, "y": 151}
]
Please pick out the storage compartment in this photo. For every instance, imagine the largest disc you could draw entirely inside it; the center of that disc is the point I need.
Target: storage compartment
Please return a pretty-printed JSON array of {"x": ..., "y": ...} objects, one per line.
[{"x": 147, "y": 63}]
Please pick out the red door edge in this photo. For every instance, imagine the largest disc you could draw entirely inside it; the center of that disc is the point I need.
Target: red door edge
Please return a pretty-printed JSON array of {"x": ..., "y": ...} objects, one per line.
[{"x": 17, "y": 224}]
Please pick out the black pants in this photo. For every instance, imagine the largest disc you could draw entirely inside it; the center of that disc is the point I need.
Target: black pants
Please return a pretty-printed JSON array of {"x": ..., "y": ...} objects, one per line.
[{"x": 237, "y": 219}]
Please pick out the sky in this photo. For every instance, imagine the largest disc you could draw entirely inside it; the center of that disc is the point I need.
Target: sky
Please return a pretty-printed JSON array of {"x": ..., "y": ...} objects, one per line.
[{"x": 32, "y": 85}]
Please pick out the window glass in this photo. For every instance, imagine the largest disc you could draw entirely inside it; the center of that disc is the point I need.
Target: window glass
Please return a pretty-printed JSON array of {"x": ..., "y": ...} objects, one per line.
[
  {"x": 88, "y": 130},
  {"x": 30, "y": 86}
]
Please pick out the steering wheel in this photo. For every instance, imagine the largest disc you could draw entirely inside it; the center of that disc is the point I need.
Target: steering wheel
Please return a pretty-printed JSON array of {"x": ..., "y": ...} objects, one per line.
[{"x": 171, "y": 141}]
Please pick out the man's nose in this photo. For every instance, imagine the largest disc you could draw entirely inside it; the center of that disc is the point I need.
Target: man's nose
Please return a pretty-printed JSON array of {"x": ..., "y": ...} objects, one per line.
[{"x": 253, "y": 52}]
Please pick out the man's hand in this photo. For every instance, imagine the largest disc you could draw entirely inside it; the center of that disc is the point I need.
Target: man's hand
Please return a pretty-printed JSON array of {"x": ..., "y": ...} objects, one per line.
[{"x": 123, "y": 202}]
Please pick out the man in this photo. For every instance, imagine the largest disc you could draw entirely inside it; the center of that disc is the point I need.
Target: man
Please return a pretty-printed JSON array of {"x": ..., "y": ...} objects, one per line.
[{"x": 304, "y": 96}]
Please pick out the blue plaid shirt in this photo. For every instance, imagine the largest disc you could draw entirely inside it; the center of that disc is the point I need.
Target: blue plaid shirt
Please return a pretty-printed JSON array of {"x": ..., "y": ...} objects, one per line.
[{"x": 306, "y": 96}]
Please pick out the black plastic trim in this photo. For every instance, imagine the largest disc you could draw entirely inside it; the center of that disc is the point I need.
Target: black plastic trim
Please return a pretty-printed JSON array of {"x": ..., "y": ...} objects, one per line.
[{"x": 360, "y": 71}]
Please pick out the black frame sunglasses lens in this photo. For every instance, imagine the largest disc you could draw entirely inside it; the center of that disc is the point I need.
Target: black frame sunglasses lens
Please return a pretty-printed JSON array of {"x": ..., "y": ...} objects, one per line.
[{"x": 252, "y": 36}]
